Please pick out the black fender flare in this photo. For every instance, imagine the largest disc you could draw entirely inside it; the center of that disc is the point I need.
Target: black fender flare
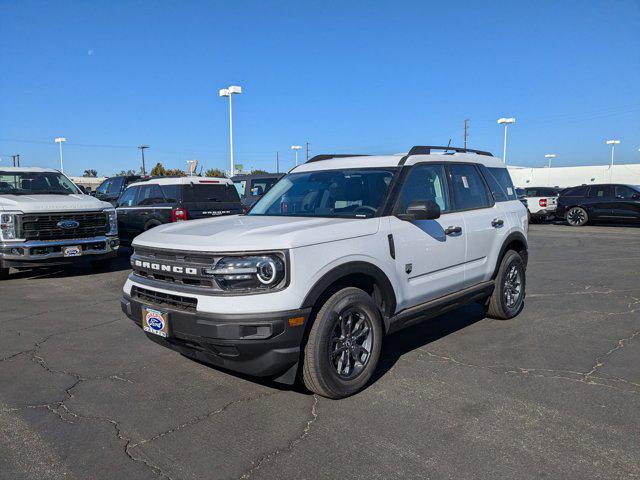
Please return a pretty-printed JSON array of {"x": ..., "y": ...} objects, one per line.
[
  {"x": 512, "y": 237},
  {"x": 351, "y": 268}
]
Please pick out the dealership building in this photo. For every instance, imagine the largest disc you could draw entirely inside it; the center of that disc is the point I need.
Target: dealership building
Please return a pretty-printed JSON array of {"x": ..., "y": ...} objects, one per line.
[{"x": 570, "y": 176}]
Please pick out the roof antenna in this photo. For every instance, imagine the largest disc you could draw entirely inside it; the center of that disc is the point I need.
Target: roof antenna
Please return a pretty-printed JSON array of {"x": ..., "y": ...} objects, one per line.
[{"x": 448, "y": 145}]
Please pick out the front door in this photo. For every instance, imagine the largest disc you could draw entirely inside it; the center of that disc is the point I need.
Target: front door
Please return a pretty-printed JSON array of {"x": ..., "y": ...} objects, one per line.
[
  {"x": 626, "y": 205},
  {"x": 430, "y": 254}
]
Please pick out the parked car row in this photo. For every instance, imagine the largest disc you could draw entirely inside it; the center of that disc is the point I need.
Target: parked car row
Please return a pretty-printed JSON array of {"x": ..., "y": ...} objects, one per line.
[{"x": 580, "y": 205}]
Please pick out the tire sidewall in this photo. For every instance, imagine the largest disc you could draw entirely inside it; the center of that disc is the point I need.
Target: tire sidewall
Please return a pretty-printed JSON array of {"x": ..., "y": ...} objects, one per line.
[
  {"x": 586, "y": 217},
  {"x": 345, "y": 387},
  {"x": 511, "y": 258}
]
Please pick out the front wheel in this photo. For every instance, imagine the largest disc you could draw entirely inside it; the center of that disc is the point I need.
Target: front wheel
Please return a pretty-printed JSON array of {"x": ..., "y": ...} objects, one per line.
[
  {"x": 577, "y": 217},
  {"x": 507, "y": 299},
  {"x": 344, "y": 344}
]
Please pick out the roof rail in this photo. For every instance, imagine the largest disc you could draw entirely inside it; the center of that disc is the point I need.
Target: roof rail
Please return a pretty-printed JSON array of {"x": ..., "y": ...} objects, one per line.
[
  {"x": 426, "y": 150},
  {"x": 329, "y": 156}
]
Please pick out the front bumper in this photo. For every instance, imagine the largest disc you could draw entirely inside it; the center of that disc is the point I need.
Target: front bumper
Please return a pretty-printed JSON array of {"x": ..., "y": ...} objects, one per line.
[
  {"x": 36, "y": 253},
  {"x": 261, "y": 345}
]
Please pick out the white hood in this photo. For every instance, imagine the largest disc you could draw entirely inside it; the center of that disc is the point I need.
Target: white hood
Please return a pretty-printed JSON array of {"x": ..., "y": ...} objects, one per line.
[
  {"x": 245, "y": 233},
  {"x": 51, "y": 203}
]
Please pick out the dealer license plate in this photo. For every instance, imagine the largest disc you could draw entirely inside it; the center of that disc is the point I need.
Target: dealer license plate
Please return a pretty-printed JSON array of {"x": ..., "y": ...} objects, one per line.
[
  {"x": 71, "y": 251},
  {"x": 155, "y": 322}
]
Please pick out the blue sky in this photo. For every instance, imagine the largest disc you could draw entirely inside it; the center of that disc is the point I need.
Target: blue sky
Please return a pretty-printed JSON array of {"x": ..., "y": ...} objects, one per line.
[{"x": 347, "y": 76}]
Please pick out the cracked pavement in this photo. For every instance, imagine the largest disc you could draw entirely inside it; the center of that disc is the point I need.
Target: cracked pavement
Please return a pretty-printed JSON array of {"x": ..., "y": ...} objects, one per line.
[{"x": 554, "y": 393}]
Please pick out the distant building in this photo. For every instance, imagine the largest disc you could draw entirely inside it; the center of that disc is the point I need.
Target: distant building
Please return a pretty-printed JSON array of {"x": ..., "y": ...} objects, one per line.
[
  {"x": 90, "y": 183},
  {"x": 572, "y": 176}
]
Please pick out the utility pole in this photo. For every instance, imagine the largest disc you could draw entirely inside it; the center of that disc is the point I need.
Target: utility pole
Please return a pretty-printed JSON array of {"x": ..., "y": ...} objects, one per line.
[
  {"x": 466, "y": 129},
  {"x": 278, "y": 162},
  {"x": 307, "y": 151},
  {"x": 144, "y": 168},
  {"x": 16, "y": 160}
]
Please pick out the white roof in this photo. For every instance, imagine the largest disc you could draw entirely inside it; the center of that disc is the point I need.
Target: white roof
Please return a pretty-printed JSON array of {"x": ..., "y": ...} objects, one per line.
[
  {"x": 182, "y": 181},
  {"x": 374, "y": 161},
  {"x": 27, "y": 169}
]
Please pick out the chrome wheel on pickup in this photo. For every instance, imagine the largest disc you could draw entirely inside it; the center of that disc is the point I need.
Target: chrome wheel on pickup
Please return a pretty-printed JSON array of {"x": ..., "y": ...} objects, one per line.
[{"x": 344, "y": 344}]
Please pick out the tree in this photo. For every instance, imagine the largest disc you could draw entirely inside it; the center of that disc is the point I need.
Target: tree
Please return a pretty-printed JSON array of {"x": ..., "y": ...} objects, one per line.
[
  {"x": 259, "y": 171},
  {"x": 175, "y": 172},
  {"x": 158, "y": 170},
  {"x": 90, "y": 173},
  {"x": 124, "y": 173},
  {"x": 215, "y": 172}
]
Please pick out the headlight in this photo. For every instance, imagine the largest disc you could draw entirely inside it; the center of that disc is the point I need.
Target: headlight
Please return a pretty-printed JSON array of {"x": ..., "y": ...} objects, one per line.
[
  {"x": 8, "y": 226},
  {"x": 112, "y": 220},
  {"x": 251, "y": 273}
]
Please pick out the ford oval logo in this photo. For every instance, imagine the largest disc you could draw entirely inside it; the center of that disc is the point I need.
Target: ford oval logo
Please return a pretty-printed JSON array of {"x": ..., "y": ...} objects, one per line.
[{"x": 68, "y": 224}]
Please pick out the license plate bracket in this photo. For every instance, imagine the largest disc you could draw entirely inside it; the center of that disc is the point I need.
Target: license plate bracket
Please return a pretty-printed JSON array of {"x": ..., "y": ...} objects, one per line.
[
  {"x": 155, "y": 321},
  {"x": 72, "y": 251}
]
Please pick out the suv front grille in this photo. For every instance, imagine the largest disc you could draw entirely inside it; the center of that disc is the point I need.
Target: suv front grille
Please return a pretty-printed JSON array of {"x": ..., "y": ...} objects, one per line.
[
  {"x": 152, "y": 297},
  {"x": 144, "y": 260},
  {"x": 44, "y": 226}
]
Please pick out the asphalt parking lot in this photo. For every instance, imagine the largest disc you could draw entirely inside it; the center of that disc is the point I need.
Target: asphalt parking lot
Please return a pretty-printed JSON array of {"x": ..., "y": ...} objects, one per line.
[{"x": 554, "y": 393}]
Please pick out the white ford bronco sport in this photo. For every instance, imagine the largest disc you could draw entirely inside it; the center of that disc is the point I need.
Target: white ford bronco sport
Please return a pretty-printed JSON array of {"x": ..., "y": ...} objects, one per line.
[
  {"x": 46, "y": 220},
  {"x": 341, "y": 251}
]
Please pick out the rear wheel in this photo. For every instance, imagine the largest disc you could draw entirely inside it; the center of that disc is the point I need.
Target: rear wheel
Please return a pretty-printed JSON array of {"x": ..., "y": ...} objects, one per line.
[
  {"x": 344, "y": 344},
  {"x": 507, "y": 299},
  {"x": 577, "y": 217}
]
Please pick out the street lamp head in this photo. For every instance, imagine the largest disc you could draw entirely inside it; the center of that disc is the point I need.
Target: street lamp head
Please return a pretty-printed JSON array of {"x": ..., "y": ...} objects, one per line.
[
  {"x": 550, "y": 155},
  {"x": 506, "y": 120},
  {"x": 142, "y": 147},
  {"x": 613, "y": 142},
  {"x": 235, "y": 89},
  {"x": 296, "y": 147},
  {"x": 224, "y": 92},
  {"x": 60, "y": 139}
]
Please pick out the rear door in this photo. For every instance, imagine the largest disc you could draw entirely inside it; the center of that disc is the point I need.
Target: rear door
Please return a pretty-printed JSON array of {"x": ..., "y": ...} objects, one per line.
[
  {"x": 210, "y": 198},
  {"x": 601, "y": 202},
  {"x": 126, "y": 208},
  {"x": 484, "y": 221},
  {"x": 152, "y": 208},
  {"x": 429, "y": 253},
  {"x": 626, "y": 205}
]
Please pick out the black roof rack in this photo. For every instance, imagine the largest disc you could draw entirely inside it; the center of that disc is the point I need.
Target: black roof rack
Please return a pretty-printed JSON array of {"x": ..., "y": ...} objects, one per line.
[
  {"x": 426, "y": 150},
  {"x": 325, "y": 156}
]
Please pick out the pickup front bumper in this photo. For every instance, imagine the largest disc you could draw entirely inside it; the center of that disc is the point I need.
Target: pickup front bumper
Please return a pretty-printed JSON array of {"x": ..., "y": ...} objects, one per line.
[
  {"x": 37, "y": 253},
  {"x": 261, "y": 345}
]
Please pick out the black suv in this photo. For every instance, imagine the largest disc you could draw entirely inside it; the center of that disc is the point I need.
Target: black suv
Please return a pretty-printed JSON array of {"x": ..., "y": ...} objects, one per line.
[
  {"x": 599, "y": 203},
  {"x": 149, "y": 203},
  {"x": 251, "y": 186},
  {"x": 112, "y": 187}
]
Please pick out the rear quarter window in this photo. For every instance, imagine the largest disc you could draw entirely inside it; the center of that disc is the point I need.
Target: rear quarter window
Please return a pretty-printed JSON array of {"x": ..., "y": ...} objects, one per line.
[
  {"x": 500, "y": 183},
  {"x": 575, "y": 192},
  {"x": 204, "y": 192}
]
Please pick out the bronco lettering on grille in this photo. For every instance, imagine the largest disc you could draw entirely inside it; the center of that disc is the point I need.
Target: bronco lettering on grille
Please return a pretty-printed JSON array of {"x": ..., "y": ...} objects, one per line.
[{"x": 166, "y": 268}]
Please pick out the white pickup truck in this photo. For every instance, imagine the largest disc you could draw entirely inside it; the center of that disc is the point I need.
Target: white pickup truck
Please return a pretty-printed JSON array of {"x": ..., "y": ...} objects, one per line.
[
  {"x": 46, "y": 220},
  {"x": 542, "y": 202}
]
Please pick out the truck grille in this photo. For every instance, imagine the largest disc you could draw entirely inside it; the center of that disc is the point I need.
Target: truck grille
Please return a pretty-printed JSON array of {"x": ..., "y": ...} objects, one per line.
[
  {"x": 44, "y": 226},
  {"x": 152, "y": 297}
]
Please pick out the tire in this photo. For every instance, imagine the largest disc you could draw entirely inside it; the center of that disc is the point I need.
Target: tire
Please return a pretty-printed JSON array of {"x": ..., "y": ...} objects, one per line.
[
  {"x": 577, "y": 216},
  {"x": 335, "y": 364},
  {"x": 504, "y": 302},
  {"x": 150, "y": 224}
]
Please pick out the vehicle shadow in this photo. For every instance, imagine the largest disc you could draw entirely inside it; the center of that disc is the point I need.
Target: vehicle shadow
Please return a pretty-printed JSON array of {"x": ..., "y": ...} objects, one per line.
[
  {"x": 120, "y": 263},
  {"x": 400, "y": 343}
]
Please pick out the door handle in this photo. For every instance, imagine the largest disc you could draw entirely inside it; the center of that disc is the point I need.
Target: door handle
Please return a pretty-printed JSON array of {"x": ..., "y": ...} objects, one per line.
[
  {"x": 496, "y": 222},
  {"x": 452, "y": 230},
  {"x": 144, "y": 214}
]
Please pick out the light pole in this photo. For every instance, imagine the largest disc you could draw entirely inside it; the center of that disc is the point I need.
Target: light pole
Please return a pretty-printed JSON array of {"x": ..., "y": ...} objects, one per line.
[
  {"x": 613, "y": 144},
  {"x": 59, "y": 141},
  {"x": 229, "y": 92},
  {"x": 296, "y": 148},
  {"x": 506, "y": 122},
  {"x": 144, "y": 168},
  {"x": 549, "y": 156}
]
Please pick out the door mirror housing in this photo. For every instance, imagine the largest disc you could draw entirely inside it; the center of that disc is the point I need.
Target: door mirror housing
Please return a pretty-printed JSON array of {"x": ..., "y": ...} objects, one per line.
[{"x": 421, "y": 210}]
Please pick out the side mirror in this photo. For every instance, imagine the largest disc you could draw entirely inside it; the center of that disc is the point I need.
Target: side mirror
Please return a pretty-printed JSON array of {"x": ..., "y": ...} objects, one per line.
[{"x": 421, "y": 210}]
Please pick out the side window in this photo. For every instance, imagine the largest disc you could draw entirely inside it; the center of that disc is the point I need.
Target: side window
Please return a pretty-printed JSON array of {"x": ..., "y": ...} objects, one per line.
[
  {"x": 240, "y": 187},
  {"x": 500, "y": 183},
  {"x": 115, "y": 186},
  {"x": 263, "y": 184},
  {"x": 171, "y": 193},
  {"x": 601, "y": 191},
  {"x": 625, "y": 193},
  {"x": 104, "y": 186},
  {"x": 128, "y": 197},
  {"x": 576, "y": 192},
  {"x": 469, "y": 190},
  {"x": 426, "y": 182},
  {"x": 150, "y": 195}
]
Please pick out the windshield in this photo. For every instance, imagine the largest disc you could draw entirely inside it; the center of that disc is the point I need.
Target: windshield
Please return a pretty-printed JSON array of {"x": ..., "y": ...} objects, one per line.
[
  {"x": 327, "y": 193},
  {"x": 29, "y": 183}
]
